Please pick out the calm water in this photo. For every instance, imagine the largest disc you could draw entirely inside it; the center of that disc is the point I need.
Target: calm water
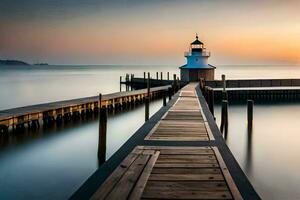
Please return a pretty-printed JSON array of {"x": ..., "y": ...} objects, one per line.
[{"x": 54, "y": 163}]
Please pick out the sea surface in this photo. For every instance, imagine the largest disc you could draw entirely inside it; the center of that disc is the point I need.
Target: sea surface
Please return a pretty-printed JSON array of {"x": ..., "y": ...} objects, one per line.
[{"x": 53, "y": 163}]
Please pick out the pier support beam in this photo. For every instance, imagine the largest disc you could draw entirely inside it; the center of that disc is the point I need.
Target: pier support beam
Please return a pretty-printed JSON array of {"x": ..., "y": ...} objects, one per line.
[{"x": 102, "y": 133}]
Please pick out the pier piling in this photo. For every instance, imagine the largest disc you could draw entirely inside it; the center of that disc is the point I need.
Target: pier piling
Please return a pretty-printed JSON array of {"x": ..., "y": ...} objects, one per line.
[
  {"x": 147, "y": 99},
  {"x": 120, "y": 83},
  {"x": 224, "y": 82},
  {"x": 250, "y": 113},
  {"x": 174, "y": 83},
  {"x": 164, "y": 99},
  {"x": 168, "y": 76},
  {"x": 102, "y": 133},
  {"x": 224, "y": 117},
  {"x": 170, "y": 93},
  {"x": 211, "y": 100}
]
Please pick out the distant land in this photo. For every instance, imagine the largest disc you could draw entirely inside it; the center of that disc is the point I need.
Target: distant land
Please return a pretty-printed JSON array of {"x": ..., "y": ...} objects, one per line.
[
  {"x": 18, "y": 62},
  {"x": 13, "y": 62}
]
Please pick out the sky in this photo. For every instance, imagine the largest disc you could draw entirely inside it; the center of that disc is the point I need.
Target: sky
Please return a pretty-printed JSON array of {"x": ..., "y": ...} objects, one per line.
[{"x": 149, "y": 31}]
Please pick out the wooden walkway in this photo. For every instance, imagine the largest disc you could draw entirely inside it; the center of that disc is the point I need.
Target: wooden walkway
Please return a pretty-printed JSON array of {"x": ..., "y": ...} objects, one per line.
[
  {"x": 56, "y": 110},
  {"x": 174, "y": 171}
]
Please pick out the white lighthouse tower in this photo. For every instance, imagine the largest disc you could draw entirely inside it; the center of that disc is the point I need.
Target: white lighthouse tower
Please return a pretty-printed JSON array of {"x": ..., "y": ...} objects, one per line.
[{"x": 197, "y": 63}]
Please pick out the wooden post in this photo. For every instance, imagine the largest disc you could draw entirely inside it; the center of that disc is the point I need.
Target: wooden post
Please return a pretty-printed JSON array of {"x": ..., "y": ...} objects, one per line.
[
  {"x": 168, "y": 76},
  {"x": 131, "y": 81},
  {"x": 224, "y": 82},
  {"x": 170, "y": 93},
  {"x": 147, "y": 99},
  {"x": 144, "y": 77},
  {"x": 164, "y": 99},
  {"x": 224, "y": 117},
  {"x": 250, "y": 113},
  {"x": 156, "y": 75},
  {"x": 211, "y": 100},
  {"x": 102, "y": 133},
  {"x": 148, "y": 85},
  {"x": 147, "y": 109},
  {"x": 174, "y": 83},
  {"x": 202, "y": 84},
  {"x": 126, "y": 82},
  {"x": 224, "y": 95},
  {"x": 120, "y": 83},
  {"x": 161, "y": 76}
]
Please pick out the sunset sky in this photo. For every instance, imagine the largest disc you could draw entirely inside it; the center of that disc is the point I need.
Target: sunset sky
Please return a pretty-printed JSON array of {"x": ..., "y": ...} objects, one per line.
[{"x": 149, "y": 31}]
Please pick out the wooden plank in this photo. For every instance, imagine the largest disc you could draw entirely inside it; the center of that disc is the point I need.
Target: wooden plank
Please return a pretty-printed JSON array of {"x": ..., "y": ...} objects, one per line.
[
  {"x": 186, "y": 151},
  {"x": 123, "y": 188},
  {"x": 113, "y": 179},
  {"x": 141, "y": 183},
  {"x": 235, "y": 192},
  {"x": 182, "y": 134},
  {"x": 186, "y": 195},
  {"x": 175, "y": 148},
  {"x": 186, "y": 157},
  {"x": 209, "y": 132},
  {"x": 153, "y": 186},
  {"x": 157, "y": 170},
  {"x": 186, "y": 165},
  {"x": 179, "y": 139}
]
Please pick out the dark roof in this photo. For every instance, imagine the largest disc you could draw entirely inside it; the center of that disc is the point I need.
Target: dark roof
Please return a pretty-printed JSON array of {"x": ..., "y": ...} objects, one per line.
[{"x": 197, "y": 41}]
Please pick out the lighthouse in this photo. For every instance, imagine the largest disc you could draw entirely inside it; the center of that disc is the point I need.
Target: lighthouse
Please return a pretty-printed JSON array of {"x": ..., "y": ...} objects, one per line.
[{"x": 197, "y": 63}]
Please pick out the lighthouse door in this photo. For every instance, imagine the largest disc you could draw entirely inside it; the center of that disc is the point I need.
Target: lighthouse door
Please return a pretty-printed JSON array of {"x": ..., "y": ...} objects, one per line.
[{"x": 193, "y": 75}]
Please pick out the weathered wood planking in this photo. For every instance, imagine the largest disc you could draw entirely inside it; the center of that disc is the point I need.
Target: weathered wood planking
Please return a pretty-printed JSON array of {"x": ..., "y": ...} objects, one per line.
[
  {"x": 184, "y": 121},
  {"x": 164, "y": 172},
  {"x": 174, "y": 171}
]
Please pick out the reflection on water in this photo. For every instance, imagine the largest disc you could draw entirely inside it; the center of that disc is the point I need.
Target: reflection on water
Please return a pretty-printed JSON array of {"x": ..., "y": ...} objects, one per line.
[
  {"x": 53, "y": 163},
  {"x": 268, "y": 154}
]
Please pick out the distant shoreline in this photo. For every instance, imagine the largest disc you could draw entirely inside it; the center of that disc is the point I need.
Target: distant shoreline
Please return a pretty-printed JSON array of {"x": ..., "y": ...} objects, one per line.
[{"x": 13, "y": 62}]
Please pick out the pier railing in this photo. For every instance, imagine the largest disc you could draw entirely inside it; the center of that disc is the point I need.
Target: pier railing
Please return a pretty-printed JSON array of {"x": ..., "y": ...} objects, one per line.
[
  {"x": 203, "y": 53},
  {"x": 64, "y": 110},
  {"x": 254, "y": 83}
]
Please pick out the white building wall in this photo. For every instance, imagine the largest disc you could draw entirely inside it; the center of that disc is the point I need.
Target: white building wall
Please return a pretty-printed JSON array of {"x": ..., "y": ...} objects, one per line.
[{"x": 197, "y": 60}]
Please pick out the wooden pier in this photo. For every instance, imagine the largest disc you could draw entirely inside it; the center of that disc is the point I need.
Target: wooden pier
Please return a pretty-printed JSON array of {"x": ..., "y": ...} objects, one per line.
[
  {"x": 138, "y": 83},
  {"x": 247, "y": 83},
  {"x": 255, "y": 89},
  {"x": 66, "y": 110},
  {"x": 259, "y": 94},
  {"x": 178, "y": 154}
]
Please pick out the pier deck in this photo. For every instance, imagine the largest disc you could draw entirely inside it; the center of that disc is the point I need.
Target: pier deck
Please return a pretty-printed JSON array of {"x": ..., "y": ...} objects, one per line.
[
  {"x": 178, "y": 154},
  {"x": 54, "y": 110}
]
